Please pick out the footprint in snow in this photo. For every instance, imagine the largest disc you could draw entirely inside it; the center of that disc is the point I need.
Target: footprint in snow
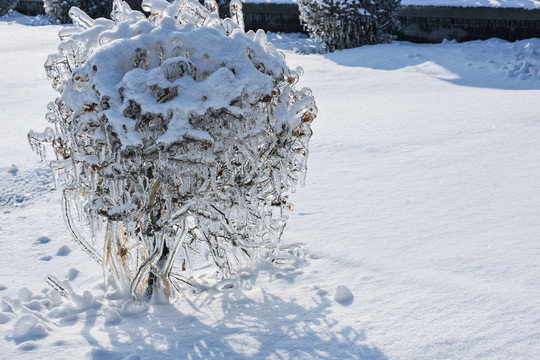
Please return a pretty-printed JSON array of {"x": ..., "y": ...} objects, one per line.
[
  {"x": 28, "y": 346},
  {"x": 63, "y": 251},
  {"x": 319, "y": 291},
  {"x": 343, "y": 295},
  {"x": 45, "y": 258},
  {"x": 43, "y": 240},
  {"x": 72, "y": 274},
  {"x": 3, "y": 287}
]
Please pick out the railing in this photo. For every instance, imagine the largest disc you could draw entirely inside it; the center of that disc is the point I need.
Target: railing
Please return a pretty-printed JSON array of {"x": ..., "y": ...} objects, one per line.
[{"x": 433, "y": 24}]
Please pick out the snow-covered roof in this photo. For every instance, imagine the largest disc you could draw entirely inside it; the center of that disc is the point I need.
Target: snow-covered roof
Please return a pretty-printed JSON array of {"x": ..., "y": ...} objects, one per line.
[
  {"x": 271, "y": 1},
  {"x": 525, "y": 4}
]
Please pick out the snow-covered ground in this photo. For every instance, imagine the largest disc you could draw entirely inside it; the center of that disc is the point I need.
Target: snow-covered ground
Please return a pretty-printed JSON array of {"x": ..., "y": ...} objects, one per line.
[{"x": 420, "y": 220}]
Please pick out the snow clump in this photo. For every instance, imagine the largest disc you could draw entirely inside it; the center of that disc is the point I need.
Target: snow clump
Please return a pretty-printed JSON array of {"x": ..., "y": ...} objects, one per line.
[
  {"x": 28, "y": 327},
  {"x": 343, "y": 295}
]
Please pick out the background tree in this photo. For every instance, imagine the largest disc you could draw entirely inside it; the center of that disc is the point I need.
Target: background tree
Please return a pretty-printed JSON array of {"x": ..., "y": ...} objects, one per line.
[
  {"x": 7, "y": 5},
  {"x": 343, "y": 24},
  {"x": 58, "y": 10}
]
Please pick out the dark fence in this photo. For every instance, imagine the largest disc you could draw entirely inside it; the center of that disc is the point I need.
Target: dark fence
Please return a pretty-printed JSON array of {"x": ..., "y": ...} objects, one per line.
[
  {"x": 30, "y": 7},
  {"x": 433, "y": 24},
  {"x": 35, "y": 7},
  {"x": 269, "y": 17},
  {"x": 272, "y": 17}
]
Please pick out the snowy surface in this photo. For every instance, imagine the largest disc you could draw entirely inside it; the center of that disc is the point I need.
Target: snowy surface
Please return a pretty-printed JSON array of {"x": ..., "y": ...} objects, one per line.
[
  {"x": 420, "y": 221},
  {"x": 526, "y": 4}
]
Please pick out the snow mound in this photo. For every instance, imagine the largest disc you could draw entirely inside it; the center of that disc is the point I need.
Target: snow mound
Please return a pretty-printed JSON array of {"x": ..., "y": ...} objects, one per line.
[
  {"x": 525, "y": 63},
  {"x": 5, "y": 318},
  {"x": 492, "y": 63},
  {"x": 16, "y": 17},
  {"x": 29, "y": 327},
  {"x": 19, "y": 187},
  {"x": 296, "y": 42}
]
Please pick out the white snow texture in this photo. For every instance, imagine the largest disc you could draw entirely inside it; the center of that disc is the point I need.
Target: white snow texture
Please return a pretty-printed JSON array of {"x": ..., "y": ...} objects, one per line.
[{"x": 422, "y": 199}]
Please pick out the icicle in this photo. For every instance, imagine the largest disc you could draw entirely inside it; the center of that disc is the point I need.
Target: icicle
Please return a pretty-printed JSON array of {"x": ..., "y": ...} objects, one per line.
[
  {"x": 117, "y": 9},
  {"x": 84, "y": 244},
  {"x": 80, "y": 18}
]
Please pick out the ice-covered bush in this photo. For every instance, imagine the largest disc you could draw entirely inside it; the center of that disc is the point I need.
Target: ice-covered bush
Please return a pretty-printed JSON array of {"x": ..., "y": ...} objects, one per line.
[
  {"x": 7, "y": 5},
  {"x": 344, "y": 24},
  {"x": 58, "y": 10},
  {"x": 180, "y": 136}
]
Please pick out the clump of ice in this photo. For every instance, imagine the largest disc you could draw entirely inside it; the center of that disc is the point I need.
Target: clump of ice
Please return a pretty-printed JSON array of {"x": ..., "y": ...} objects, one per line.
[{"x": 179, "y": 137}]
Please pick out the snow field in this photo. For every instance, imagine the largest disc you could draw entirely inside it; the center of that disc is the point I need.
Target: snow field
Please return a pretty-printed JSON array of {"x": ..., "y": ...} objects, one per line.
[{"x": 419, "y": 219}]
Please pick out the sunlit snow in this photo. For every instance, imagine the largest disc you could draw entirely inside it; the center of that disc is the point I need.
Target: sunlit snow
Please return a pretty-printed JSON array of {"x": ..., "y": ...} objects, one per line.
[{"x": 419, "y": 220}]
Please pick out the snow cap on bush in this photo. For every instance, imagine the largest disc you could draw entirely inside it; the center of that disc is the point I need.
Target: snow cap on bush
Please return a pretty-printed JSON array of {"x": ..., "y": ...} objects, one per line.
[{"x": 179, "y": 134}]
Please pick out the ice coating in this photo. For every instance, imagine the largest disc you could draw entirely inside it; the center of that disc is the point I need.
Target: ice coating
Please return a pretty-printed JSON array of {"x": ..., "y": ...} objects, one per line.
[{"x": 179, "y": 137}]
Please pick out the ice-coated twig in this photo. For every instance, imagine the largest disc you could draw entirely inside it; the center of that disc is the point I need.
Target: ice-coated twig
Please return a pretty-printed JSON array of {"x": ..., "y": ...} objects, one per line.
[
  {"x": 80, "y": 18},
  {"x": 54, "y": 283},
  {"x": 66, "y": 211}
]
